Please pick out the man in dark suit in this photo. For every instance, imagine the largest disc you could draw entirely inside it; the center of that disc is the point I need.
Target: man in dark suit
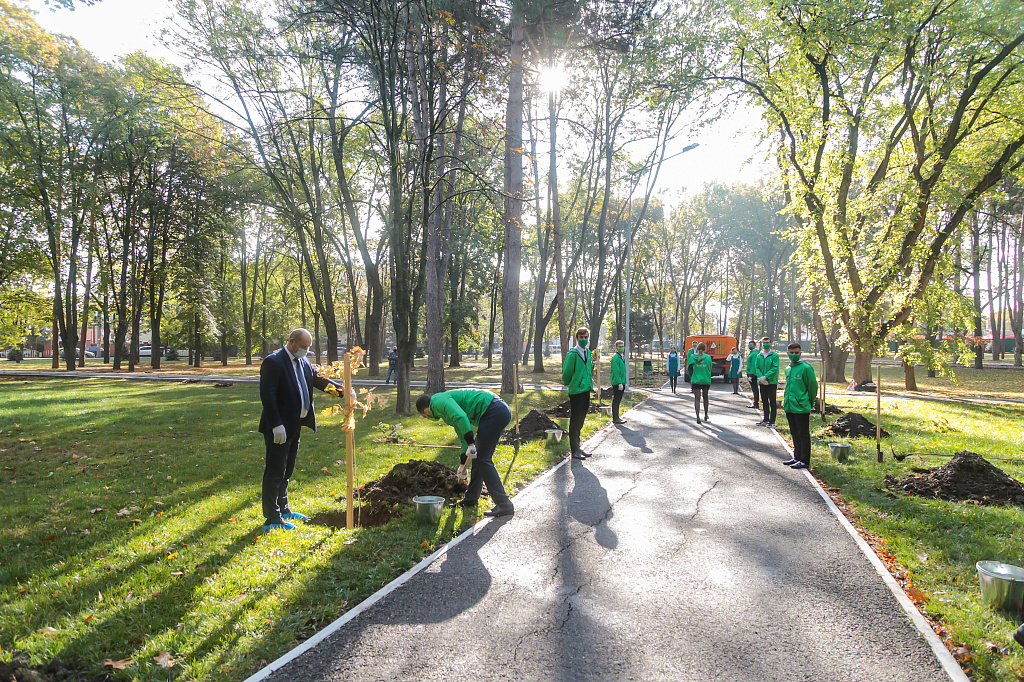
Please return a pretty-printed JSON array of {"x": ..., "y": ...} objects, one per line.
[{"x": 286, "y": 383}]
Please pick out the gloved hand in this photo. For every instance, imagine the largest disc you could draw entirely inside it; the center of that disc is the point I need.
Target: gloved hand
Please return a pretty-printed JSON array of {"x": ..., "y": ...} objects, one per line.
[
  {"x": 471, "y": 452},
  {"x": 461, "y": 473},
  {"x": 280, "y": 435},
  {"x": 622, "y": 387},
  {"x": 763, "y": 381}
]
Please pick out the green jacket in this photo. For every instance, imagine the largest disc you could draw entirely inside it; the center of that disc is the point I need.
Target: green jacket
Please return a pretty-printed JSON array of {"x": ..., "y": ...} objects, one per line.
[
  {"x": 801, "y": 389},
  {"x": 752, "y": 361},
  {"x": 619, "y": 374},
  {"x": 461, "y": 410},
  {"x": 700, "y": 370},
  {"x": 577, "y": 371},
  {"x": 673, "y": 365},
  {"x": 690, "y": 355},
  {"x": 767, "y": 366}
]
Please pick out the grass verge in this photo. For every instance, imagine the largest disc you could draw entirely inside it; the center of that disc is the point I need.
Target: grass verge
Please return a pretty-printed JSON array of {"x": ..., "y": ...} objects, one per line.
[
  {"x": 934, "y": 544},
  {"x": 132, "y": 515}
]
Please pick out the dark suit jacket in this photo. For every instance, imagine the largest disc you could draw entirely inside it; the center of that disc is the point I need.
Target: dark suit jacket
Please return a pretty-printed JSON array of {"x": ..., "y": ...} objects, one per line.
[{"x": 279, "y": 393}]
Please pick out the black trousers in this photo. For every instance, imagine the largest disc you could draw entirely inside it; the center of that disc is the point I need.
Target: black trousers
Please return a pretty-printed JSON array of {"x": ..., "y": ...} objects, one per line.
[
  {"x": 616, "y": 399},
  {"x": 672, "y": 383},
  {"x": 579, "y": 405},
  {"x": 276, "y": 474},
  {"x": 800, "y": 429},
  {"x": 754, "y": 387},
  {"x": 768, "y": 406},
  {"x": 488, "y": 432}
]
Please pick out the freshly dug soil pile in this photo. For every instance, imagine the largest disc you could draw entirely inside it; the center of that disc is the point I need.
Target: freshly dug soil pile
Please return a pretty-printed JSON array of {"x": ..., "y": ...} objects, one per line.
[
  {"x": 18, "y": 669},
  {"x": 562, "y": 409},
  {"x": 829, "y": 408},
  {"x": 406, "y": 481},
  {"x": 531, "y": 427},
  {"x": 853, "y": 425},
  {"x": 968, "y": 476},
  {"x": 363, "y": 515}
]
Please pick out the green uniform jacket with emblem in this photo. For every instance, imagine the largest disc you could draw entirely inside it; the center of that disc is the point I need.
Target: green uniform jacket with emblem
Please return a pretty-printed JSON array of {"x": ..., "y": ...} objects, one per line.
[
  {"x": 752, "y": 362},
  {"x": 801, "y": 389},
  {"x": 576, "y": 371},
  {"x": 700, "y": 370},
  {"x": 619, "y": 374},
  {"x": 461, "y": 410},
  {"x": 690, "y": 355},
  {"x": 768, "y": 366}
]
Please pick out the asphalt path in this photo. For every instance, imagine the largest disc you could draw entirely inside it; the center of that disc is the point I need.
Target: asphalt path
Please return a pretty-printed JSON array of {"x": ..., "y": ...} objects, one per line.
[{"x": 676, "y": 552}]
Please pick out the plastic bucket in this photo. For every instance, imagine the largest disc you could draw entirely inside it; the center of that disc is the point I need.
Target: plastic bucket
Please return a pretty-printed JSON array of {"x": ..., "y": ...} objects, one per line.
[
  {"x": 839, "y": 451},
  {"x": 1002, "y": 585},
  {"x": 428, "y": 508}
]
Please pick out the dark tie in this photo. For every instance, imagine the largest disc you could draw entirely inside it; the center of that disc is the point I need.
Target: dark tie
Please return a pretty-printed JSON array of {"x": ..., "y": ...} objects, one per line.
[{"x": 300, "y": 376}]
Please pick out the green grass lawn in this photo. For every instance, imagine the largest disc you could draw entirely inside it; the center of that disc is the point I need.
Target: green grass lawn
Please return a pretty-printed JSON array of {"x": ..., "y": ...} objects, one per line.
[
  {"x": 131, "y": 518},
  {"x": 937, "y": 543}
]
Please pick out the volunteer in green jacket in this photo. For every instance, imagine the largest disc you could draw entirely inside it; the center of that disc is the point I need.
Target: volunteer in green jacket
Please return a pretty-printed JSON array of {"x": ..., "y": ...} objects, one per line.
[
  {"x": 673, "y": 368},
  {"x": 619, "y": 379},
  {"x": 700, "y": 380},
  {"x": 798, "y": 403},
  {"x": 690, "y": 355},
  {"x": 577, "y": 375},
  {"x": 766, "y": 366},
  {"x": 752, "y": 373},
  {"x": 462, "y": 409}
]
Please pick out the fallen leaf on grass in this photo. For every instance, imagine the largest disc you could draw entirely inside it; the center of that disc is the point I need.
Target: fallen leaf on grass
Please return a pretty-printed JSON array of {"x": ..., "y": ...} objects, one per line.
[
  {"x": 96, "y": 510},
  {"x": 177, "y": 573},
  {"x": 123, "y": 512},
  {"x": 916, "y": 594},
  {"x": 47, "y": 630},
  {"x": 350, "y": 541},
  {"x": 922, "y": 556},
  {"x": 962, "y": 653},
  {"x": 118, "y": 665},
  {"x": 992, "y": 647},
  {"x": 164, "y": 659}
]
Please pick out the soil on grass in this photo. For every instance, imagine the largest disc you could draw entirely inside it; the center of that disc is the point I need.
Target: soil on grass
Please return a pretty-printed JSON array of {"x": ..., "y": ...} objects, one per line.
[
  {"x": 968, "y": 477},
  {"x": 853, "y": 425},
  {"x": 563, "y": 409},
  {"x": 533, "y": 426},
  {"x": 19, "y": 670},
  {"x": 829, "y": 408},
  {"x": 364, "y": 516},
  {"x": 410, "y": 479}
]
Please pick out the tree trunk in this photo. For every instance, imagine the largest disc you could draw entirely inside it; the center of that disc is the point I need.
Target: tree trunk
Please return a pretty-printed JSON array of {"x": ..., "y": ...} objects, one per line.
[
  {"x": 861, "y": 364},
  {"x": 511, "y": 332},
  {"x": 85, "y": 310},
  {"x": 909, "y": 378}
]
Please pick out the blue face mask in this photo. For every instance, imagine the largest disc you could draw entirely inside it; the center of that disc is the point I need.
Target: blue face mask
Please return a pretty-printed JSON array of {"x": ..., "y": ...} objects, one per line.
[{"x": 300, "y": 353}]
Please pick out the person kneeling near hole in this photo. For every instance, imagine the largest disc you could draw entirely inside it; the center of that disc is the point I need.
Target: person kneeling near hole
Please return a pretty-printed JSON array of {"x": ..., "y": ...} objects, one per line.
[{"x": 462, "y": 409}]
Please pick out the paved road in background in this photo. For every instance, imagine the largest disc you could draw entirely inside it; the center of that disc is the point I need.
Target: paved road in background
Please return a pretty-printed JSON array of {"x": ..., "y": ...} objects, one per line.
[{"x": 677, "y": 552}]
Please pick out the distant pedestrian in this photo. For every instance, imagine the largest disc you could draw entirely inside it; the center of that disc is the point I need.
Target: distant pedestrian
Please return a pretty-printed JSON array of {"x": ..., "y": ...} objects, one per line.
[
  {"x": 577, "y": 375},
  {"x": 392, "y": 365},
  {"x": 767, "y": 368},
  {"x": 673, "y": 368},
  {"x": 798, "y": 403},
  {"x": 461, "y": 410},
  {"x": 690, "y": 355},
  {"x": 735, "y": 361},
  {"x": 752, "y": 374},
  {"x": 619, "y": 379},
  {"x": 700, "y": 380}
]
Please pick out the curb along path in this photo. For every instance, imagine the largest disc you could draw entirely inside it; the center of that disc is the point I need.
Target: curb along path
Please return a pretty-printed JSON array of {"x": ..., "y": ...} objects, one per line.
[{"x": 676, "y": 552}]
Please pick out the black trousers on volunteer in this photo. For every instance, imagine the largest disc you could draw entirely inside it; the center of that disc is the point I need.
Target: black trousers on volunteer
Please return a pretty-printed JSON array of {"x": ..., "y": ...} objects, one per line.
[
  {"x": 754, "y": 388},
  {"x": 579, "y": 405},
  {"x": 492, "y": 425}
]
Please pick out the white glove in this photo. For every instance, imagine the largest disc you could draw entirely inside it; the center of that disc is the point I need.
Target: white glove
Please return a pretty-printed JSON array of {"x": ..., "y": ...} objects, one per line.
[
  {"x": 280, "y": 435},
  {"x": 763, "y": 381},
  {"x": 622, "y": 387},
  {"x": 471, "y": 452},
  {"x": 461, "y": 473}
]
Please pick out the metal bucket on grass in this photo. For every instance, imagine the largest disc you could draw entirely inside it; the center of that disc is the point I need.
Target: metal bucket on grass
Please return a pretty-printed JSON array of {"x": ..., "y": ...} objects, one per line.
[
  {"x": 839, "y": 451},
  {"x": 428, "y": 508},
  {"x": 554, "y": 435},
  {"x": 1002, "y": 585}
]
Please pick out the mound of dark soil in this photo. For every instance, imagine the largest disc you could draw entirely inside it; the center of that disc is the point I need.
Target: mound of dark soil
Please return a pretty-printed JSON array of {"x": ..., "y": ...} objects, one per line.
[
  {"x": 406, "y": 481},
  {"x": 968, "y": 476},
  {"x": 19, "y": 670},
  {"x": 562, "y": 409},
  {"x": 363, "y": 515},
  {"x": 853, "y": 425},
  {"x": 531, "y": 427},
  {"x": 829, "y": 408}
]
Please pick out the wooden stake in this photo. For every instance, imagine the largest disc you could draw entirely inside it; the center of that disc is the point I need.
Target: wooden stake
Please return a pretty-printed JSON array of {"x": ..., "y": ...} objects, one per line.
[
  {"x": 878, "y": 414},
  {"x": 824, "y": 385},
  {"x": 350, "y": 457}
]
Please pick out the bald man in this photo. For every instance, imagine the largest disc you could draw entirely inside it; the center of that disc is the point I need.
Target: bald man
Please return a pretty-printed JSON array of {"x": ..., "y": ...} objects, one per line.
[{"x": 286, "y": 383}]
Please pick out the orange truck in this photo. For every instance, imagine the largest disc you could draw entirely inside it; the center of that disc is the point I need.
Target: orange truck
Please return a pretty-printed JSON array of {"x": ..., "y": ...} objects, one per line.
[{"x": 717, "y": 346}]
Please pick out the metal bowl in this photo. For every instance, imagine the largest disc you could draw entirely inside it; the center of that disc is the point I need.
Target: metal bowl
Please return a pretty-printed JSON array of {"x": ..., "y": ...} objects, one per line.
[
  {"x": 1002, "y": 585},
  {"x": 839, "y": 451},
  {"x": 428, "y": 508}
]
